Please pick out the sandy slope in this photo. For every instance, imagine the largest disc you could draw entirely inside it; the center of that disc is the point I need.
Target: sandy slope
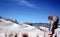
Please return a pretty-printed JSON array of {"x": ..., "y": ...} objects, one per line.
[{"x": 7, "y": 27}]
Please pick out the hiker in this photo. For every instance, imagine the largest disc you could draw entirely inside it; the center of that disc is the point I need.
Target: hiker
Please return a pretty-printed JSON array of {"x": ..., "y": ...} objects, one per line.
[{"x": 53, "y": 25}]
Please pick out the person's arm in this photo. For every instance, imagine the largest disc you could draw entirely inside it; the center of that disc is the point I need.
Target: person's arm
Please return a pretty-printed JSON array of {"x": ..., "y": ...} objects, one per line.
[
  {"x": 52, "y": 24},
  {"x": 51, "y": 28}
]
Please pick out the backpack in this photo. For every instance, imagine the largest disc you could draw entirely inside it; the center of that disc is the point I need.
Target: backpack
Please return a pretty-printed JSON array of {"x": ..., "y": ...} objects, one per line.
[{"x": 56, "y": 23}]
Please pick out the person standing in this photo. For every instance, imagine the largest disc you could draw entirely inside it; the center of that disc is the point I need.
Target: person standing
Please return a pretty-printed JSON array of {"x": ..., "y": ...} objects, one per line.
[{"x": 53, "y": 25}]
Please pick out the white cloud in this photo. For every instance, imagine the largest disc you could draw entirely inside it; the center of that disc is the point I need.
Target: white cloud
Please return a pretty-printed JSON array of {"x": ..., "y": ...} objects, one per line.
[{"x": 26, "y": 3}]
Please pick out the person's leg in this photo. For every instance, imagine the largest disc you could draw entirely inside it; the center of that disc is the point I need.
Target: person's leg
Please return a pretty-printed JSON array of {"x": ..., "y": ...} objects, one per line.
[
  {"x": 55, "y": 34},
  {"x": 49, "y": 35},
  {"x": 51, "y": 32}
]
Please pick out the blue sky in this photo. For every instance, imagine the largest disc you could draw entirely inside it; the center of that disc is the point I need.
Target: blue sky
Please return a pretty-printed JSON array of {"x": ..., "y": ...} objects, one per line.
[{"x": 29, "y": 10}]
